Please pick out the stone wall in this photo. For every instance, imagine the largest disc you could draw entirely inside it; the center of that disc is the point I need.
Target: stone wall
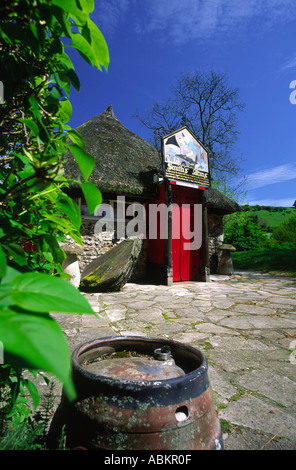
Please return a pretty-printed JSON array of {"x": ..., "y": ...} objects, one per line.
[
  {"x": 215, "y": 240},
  {"x": 95, "y": 245}
]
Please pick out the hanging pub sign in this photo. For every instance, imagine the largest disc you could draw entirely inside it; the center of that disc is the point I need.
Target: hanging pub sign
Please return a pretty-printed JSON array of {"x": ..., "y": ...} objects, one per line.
[{"x": 185, "y": 159}]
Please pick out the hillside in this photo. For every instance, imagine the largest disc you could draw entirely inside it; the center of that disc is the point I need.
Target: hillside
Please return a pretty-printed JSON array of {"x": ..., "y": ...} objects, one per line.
[
  {"x": 272, "y": 216},
  {"x": 266, "y": 245}
]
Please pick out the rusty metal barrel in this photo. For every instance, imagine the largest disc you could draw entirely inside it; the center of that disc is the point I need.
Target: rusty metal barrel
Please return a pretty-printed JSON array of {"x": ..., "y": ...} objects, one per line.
[{"x": 136, "y": 393}]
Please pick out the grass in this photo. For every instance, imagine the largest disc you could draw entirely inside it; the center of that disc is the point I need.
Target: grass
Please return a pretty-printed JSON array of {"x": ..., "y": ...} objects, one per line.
[
  {"x": 274, "y": 218},
  {"x": 278, "y": 261}
]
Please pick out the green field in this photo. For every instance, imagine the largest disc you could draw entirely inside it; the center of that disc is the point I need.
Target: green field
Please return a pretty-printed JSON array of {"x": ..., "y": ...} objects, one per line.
[
  {"x": 277, "y": 261},
  {"x": 273, "y": 217}
]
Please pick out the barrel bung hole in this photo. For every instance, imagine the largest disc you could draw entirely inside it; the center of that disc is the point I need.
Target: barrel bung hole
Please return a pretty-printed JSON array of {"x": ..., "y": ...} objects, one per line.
[{"x": 182, "y": 413}]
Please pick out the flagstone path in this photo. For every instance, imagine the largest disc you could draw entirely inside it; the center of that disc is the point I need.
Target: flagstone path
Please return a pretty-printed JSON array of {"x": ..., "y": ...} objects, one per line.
[{"x": 244, "y": 324}]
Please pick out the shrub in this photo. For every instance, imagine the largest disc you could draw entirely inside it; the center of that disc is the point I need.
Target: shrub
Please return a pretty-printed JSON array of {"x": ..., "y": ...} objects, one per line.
[
  {"x": 285, "y": 234},
  {"x": 242, "y": 232}
]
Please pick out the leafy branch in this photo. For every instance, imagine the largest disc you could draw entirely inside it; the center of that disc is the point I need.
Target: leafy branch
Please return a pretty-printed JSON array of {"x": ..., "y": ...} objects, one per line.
[{"x": 35, "y": 212}]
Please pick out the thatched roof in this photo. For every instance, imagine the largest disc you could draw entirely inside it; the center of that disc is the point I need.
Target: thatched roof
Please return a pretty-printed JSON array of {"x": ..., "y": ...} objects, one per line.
[
  {"x": 125, "y": 163},
  {"x": 219, "y": 203}
]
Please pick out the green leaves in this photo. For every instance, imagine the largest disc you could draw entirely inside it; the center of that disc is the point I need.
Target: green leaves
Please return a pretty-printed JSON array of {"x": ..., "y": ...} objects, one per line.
[
  {"x": 92, "y": 196},
  {"x": 38, "y": 292},
  {"x": 42, "y": 131},
  {"x": 30, "y": 336},
  {"x": 98, "y": 45},
  {"x": 70, "y": 208},
  {"x": 94, "y": 51},
  {"x": 2, "y": 263},
  {"x": 37, "y": 342},
  {"x": 35, "y": 212},
  {"x": 76, "y": 138},
  {"x": 84, "y": 48},
  {"x": 65, "y": 111},
  {"x": 85, "y": 160},
  {"x": 89, "y": 42},
  {"x": 35, "y": 108},
  {"x": 17, "y": 252},
  {"x": 242, "y": 232},
  {"x": 285, "y": 233},
  {"x": 31, "y": 125},
  {"x": 74, "y": 8}
]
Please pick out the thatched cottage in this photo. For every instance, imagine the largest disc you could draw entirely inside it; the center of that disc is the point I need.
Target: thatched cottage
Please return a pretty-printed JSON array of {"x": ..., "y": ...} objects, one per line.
[{"x": 129, "y": 171}]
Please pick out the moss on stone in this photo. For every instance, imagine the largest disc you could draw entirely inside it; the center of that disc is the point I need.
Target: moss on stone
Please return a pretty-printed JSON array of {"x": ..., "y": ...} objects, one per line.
[{"x": 112, "y": 270}]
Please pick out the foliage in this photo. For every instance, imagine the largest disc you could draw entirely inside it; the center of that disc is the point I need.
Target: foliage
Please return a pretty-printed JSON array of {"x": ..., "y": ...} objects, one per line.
[
  {"x": 248, "y": 231},
  {"x": 24, "y": 436},
  {"x": 25, "y": 430},
  {"x": 35, "y": 212},
  {"x": 231, "y": 187},
  {"x": 12, "y": 394},
  {"x": 242, "y": 232},
  {"x": 285, "y": 234},
  {"x": 208, "y": 105}
]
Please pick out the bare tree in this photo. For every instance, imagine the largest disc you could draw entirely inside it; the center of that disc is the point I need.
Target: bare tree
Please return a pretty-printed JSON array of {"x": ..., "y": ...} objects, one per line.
[{"x": 206, "y": 103}]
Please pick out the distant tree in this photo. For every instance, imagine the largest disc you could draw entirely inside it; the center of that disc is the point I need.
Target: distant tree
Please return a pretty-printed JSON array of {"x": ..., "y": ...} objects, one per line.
[
  {"x": 294, "y": 204},
  {"x": 243, "y": 232},
  {"x": 285, "y": 233},
  {"x": 208, "y": 105}
]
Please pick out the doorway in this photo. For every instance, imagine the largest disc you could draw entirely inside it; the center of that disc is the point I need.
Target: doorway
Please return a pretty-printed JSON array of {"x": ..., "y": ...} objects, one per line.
[{"x": 186, "y": 233}]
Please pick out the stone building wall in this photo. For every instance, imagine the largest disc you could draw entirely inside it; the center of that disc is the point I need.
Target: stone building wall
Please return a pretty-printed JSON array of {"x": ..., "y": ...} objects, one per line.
[
  {"x": 95, "y": 245},
  {"x": 215, "y": 240}
]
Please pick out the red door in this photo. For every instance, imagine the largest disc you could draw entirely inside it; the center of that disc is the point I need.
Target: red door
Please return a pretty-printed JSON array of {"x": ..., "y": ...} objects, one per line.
[{"x": 186, "y": 233}]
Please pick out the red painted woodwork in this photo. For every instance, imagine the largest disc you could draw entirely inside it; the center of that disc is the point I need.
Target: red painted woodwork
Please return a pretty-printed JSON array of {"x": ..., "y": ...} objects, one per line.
[{"x": 185, "y": 261}]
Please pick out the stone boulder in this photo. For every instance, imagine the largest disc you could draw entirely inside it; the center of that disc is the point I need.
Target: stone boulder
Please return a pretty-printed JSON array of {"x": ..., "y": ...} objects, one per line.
[
  {"x": 70, "y": 264},
  {"x": 112, "y": 270}
]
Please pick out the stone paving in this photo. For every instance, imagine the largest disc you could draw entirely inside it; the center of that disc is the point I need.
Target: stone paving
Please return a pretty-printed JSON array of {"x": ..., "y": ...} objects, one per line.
[{"x": 245, "y": 324}]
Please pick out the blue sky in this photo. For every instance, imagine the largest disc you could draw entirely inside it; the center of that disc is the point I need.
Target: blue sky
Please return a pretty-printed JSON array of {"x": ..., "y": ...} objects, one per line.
[{"x": 253, "y": 41}]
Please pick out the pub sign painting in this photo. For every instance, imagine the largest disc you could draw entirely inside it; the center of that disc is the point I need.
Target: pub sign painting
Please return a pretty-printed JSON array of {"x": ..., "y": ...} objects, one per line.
[{"x": 185, "y": 159}]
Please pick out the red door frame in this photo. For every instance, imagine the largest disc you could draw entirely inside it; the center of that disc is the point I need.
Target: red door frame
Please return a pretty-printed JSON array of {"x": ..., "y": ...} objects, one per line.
[
  {"x": 186, "y": 263},
  {"x": 186, "y": 260}
]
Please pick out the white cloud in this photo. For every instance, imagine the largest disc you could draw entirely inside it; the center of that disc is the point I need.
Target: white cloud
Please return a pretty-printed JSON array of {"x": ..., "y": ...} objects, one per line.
[
  {"x": 109, "y": 13},
  {"x": 289, "y": 64},
  {"x": 272, "y": 202},
  {"x": 269, "y": 176},
  {"x": 180, "y": 21}
]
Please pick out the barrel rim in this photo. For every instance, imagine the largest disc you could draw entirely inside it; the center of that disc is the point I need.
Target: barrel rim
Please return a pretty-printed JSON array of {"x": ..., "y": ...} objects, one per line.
[{"x": 194, "y": 374}]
